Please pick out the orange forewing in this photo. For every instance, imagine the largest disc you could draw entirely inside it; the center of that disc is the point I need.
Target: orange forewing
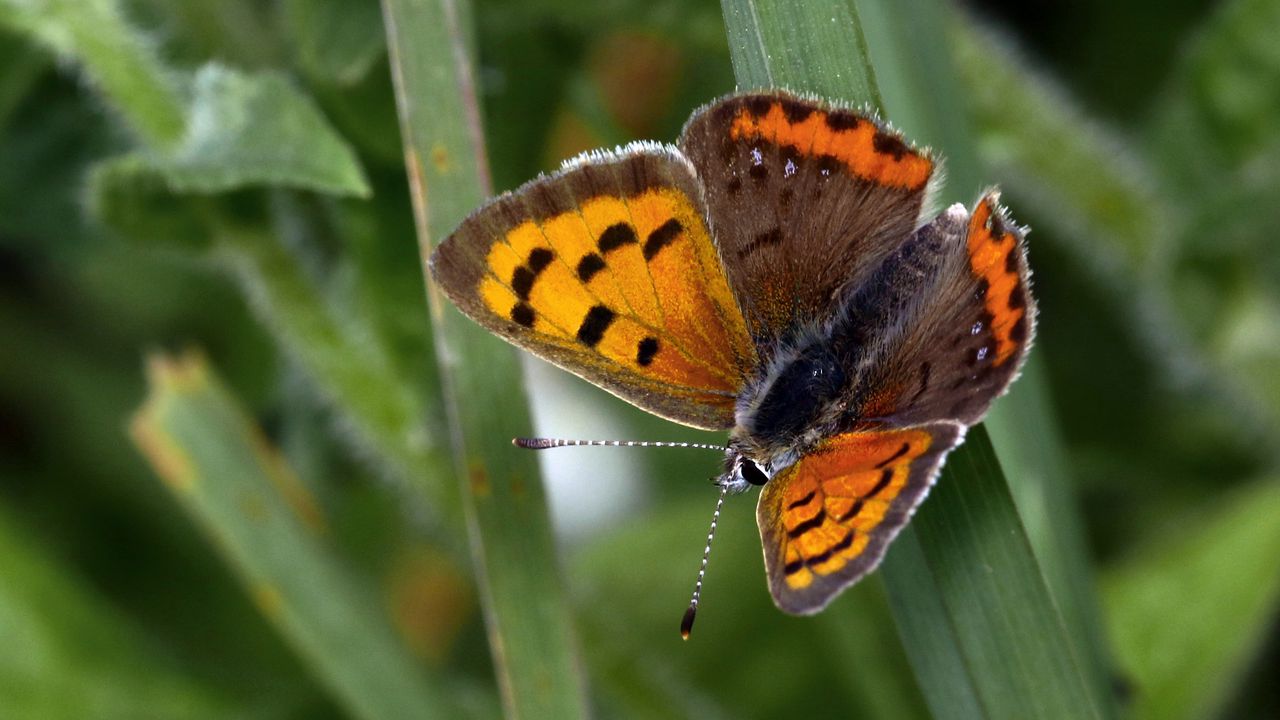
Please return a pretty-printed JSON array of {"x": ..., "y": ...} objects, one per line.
[
  {"x": 826, "y": 520},
  {"x": 609, "y": 271}
]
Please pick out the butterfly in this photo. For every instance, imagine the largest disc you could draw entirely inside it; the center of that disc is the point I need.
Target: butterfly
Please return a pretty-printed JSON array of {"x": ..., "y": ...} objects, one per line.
[{"x": 771, "y": 275}]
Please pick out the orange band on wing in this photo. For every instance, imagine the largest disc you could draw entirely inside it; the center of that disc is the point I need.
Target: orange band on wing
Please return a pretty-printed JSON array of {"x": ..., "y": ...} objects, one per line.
[
  {"x": 996, "y": 258},
  {"x": 867, "y": 150}
]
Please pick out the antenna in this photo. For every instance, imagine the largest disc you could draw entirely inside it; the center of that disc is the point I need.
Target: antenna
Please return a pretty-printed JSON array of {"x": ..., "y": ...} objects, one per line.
[
  {"x": 686, "y": 623},
  {"x": 548, "y": 443}
]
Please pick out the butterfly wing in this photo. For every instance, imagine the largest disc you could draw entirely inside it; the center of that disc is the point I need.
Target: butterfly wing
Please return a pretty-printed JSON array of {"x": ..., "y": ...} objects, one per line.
[
  {"x": 803, "y": 199},
  {"x": 827, "y": 520},
  {"x": 607, "y": 270},
  {"x": 949, "y": 347}
]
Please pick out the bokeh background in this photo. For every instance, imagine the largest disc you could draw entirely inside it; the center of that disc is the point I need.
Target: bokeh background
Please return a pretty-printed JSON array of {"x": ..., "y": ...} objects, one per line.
[{"x": 1140, "y": 141}]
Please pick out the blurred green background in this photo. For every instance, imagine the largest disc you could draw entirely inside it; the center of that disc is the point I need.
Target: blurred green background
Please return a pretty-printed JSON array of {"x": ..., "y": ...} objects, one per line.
[{"x": 219, "y": 185}]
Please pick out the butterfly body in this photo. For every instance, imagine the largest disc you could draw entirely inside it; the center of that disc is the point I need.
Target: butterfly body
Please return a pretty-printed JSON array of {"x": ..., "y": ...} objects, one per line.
[{"x": 769, "y": 276}]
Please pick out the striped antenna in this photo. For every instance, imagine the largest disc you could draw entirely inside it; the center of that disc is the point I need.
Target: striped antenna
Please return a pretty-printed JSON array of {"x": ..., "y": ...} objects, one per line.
[
  {"x": 686, "y": 623},
  {"x": 547, "y": 443}
]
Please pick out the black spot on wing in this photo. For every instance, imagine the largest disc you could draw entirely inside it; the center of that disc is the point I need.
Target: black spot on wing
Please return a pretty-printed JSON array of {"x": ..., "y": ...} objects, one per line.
[
  {"x": 796, "y": 111},
  {"x": 841, "y": 120},
  {"x": 645, "y": 350},
  {"x": 662, "y": 237},
  {"x": 802, "y": 501},
  {"x": 615, "y": 236},
  {"x": 523, "y": 277},
  {"x": 889, "y": 144},
  {"x": 589, "y": 265},
  {"x": 759, "y": 105},
  {"x": 851, "y": 513},
  {"x": 522, "y": 282},
  {"x": 885, "y": 477},
  {"x": 981, "y": 289},
  {"x": 845, "y": 543},
  {"x": 594, "y": 325},
  {"x": 539, "y": 259},
  {"x": 1018, "y": 333},
  {"x": 901, "y": 451},
  {"x": 522, "y": 314},
  {"x": 1011, "y": 260},
  {"x": 812, "y": 523},
  {"x": 765, "y": 239},
  {"x": 1017, "y": 298}
]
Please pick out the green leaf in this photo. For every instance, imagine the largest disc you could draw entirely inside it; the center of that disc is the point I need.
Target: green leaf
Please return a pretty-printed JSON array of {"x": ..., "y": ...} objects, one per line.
[
  {"x": 526, "y": 611},
  {"x": 271, "y": 531},
  {"x": 257, "y": 130},
  {"x": 1191, "y": 608},
  {"x": 115, "y": 57},
  {"x": 978, "y": 620},
  {"x": 244, "y": 132}
]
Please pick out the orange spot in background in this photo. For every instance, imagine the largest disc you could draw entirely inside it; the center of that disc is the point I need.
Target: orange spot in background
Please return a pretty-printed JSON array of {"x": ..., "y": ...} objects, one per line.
[
  {"x": 855, "y": 147},
  {"x": 440, "y": 159},
  {"x": 430, "y": 601},
  {"x": 988, "y": 258},
  {"x": 268, "y": 599},
  {"x": 479, "y": 479}
]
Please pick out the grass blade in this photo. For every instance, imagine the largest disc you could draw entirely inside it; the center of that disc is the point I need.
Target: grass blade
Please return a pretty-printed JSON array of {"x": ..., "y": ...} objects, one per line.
[
  {"x": 771, "y": 47},
  {"x": 979, "y": 622},
  {"x": 269, "y": 529},
  {"x": 525, "y": 607}
]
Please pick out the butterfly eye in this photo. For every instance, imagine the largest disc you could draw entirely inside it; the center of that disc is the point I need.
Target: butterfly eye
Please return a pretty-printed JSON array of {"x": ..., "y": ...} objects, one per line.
[{"x": 752, "y": 473}]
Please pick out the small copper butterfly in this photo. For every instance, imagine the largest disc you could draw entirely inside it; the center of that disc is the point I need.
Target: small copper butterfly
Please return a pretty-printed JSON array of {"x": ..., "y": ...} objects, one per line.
[{"x": 770, "y": 275}]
